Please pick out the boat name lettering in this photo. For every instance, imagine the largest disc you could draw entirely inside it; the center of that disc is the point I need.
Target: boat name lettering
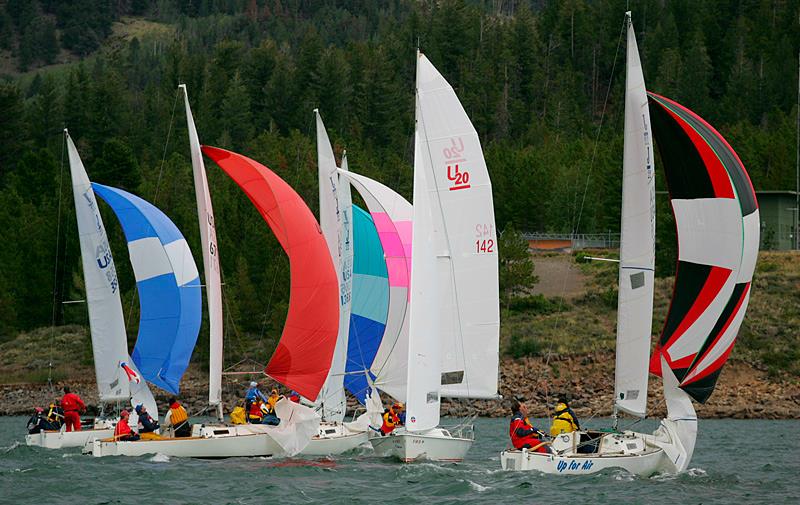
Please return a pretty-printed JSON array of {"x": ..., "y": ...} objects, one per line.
[
  {"x": 574, "y": 465},
  {"x": 454, "y": 154}
]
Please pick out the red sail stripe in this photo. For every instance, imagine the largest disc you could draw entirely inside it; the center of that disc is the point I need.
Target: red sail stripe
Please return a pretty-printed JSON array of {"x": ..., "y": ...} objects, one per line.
[
  {"x": 303, "y": 357},
  {"x": 723, "y": 188},
  {"x": 713, "y": 285},
  {"x": 721, "y": 360},
  {"x": 714, "y": 130}
]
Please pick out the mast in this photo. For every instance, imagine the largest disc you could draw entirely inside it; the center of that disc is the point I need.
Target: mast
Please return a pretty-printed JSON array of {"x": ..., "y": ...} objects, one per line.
[
  {"x": 211, "y": 267},
  {"x": 637, "y": 243}
]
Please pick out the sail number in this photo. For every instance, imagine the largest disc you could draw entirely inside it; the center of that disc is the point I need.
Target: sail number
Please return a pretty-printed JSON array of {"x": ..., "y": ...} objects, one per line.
[
  {"x": 484, "y": 246},
  {"x": 485, "y": 239}
]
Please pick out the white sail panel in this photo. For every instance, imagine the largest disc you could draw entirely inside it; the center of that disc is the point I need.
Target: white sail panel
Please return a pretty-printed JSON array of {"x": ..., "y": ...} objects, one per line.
[
  {"x": 392, "y": 215},
  {"x": 424, "y": 346},
  {"x": 335, "y": 213},
  {"x": 106, "y": 323},
  {"x": 461, "y": 193},
  {"x": 637, "y": 243},
  {"x": 208, "y": 240}
]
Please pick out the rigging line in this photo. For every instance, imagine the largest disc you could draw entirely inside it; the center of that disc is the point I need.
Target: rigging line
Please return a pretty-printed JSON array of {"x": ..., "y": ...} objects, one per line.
[{"x": 55, "y": 270}]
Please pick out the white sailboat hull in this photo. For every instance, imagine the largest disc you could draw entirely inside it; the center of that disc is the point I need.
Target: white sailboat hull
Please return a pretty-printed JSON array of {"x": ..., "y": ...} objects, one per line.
[
  {"x": 436, "y": 444},
  {"x": 633, "y": 452},
  {"x": 205, "y": 442},
  {"x": 333, "y": 439},
  {"x": 65, "y": 439}
]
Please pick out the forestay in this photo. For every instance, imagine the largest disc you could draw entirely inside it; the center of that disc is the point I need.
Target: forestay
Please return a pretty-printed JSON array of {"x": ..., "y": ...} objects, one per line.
[
  {"x": 717, "y": 220},
  {"x": 208, "y": 240},
  {"x": 637, "y": 243},
  {"x": 461, "y": 199},
  {"x": 335, "y": 218},
  {"x": 168, "y": 284},
  {"x": 370, "y": 304},
  {"x": 303, "y": 356},
  {"x": 392, "y": 215}
]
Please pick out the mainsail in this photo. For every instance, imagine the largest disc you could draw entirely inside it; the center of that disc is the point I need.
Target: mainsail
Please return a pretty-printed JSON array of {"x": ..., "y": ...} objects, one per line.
[
  {"x": 717, "y": 220},
  {"x": 208, "y": 240},
  {"x": 392, "y": 216},
  {"x": 303, "y": 356},
  {"x": 370, "y": 304},
  {"x": 335, "y": 218},
  {"x": 637, "y": 243},
  {"x": 106, "y": 322},
  {"x": 169, "y": 288},
  {"x": 467, "y": 266}
]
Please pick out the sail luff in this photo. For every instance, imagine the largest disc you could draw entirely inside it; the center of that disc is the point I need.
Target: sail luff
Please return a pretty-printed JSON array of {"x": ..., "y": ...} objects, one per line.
[
  {"x": 211, "y": 269},
  {"x": 637, "y": 243},
  {"x": 335, "y": 216},
  {"x": 106, "y": 322}
]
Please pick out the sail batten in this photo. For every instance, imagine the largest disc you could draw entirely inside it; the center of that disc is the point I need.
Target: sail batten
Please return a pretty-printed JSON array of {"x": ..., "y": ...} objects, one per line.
[{"x": 304, "y": 353}]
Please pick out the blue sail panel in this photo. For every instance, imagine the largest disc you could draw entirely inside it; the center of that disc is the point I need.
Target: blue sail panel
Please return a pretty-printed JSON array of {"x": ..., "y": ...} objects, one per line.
[
  {"x": 370, "y": 303},
  {"x": 168, "y": 284}
]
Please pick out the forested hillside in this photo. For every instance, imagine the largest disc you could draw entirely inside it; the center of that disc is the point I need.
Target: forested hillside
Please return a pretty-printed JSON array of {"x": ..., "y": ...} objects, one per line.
[{"x": 542, "y": 81}]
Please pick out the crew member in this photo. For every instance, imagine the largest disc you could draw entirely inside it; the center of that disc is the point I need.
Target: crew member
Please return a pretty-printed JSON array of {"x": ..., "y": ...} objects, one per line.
[
  {"x": 73, "y": 406},
  {"x": 255, "y": 413},
  {"x": 37, "y": 422},
  {"x": 252, "y": 395},
  {"x": 523, "y": 434},
  {"x": 294, "y": 396},
  {"x": 392, "y": 417},
  {"x": 55, "y": 417},
  {"x": 274, "y": 397},
  {"x": 269, "y": 415},
  {"x": 564, "y": 419},
  {"x": 178, "y": 418},
  {"x": 146, "y": 422},
  {"x": 123, "y": 431}
]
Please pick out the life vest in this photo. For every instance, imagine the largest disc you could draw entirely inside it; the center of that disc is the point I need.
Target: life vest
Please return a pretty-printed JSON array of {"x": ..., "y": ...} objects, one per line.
[
  {"x": 271, "y": 401},
  {"x": 255, "y": 411},
  {"x": 563, "y": 422},
  {"x": 122, "y": 429},
  {"x": 238, "y": 416},
  {"x": 72, "y": 402},
  {"x": 53, "y": 415},
  {"x": 518, "y": 441},
  {"x": 177, "y": 414},
  {"x": 390, "y": 421}
]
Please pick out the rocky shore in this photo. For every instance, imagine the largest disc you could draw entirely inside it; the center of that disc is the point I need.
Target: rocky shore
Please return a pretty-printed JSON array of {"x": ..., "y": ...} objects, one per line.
[{"x": 743, "y": 392}]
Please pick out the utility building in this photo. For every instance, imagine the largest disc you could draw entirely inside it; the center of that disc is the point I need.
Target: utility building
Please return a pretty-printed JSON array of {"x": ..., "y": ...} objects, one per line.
[{"x": 778, "y": 211}]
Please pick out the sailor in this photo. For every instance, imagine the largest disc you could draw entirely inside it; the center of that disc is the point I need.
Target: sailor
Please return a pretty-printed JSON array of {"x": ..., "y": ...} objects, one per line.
[
  {"x": 37, "y": 422},
  {"x": 294, "y": 396},
  {"x": 268, "y": 415},
  {"x": 564, "y": 419},
  {"x": 255, "y": 413},
  {"x": 123, "y": 431},
  {"x": 392, "y": 417},
  {"x": 54, "y": 418},
  {"x": 146, "y": 422},
  {"x": 252, "y": 395},
  {"x": 72, "y": 405},
  {"x": 522, "y": 432},
  {"x": 274, "y": 397},
  {"x": 178, "y": 418}
]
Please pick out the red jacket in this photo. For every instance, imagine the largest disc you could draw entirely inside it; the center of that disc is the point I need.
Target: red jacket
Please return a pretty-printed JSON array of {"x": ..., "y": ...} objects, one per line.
[
  {"x": 522, "y": 432},
  {"x": 71, "y": 402},
  {"x": 122, "y": 429},
  {"x": 255, "y": 411}
]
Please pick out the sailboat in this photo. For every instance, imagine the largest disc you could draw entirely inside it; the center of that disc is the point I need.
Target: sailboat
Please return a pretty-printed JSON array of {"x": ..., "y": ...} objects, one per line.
[
  {"x": 336, "y": 220},
  {"x": 106, "y": 322},
  {"x": 218, "y": 440},
  {"x": 453, "y": 319},
  {"x": 717, "y": 221}
]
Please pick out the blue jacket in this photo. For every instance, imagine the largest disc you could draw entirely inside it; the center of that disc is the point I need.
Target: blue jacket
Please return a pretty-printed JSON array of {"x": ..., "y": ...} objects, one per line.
[{"x": 253, "y": 393}]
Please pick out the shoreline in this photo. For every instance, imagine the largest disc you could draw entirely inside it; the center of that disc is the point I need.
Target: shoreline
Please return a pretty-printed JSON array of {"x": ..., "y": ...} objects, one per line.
[{"x": 743, "y": 391}]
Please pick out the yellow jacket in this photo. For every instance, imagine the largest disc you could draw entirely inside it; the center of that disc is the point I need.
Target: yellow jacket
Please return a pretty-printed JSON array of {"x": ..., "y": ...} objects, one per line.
[{"x": 563, "y": 421}]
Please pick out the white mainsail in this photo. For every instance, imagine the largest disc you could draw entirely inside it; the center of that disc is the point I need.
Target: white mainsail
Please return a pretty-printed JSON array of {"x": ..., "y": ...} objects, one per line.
[
  {"x": 637, "y": 243},
  {"x": 392, "y": 215},
  {"x": 106, "y": 321},
  {"x": 208, "y": 239},
  {"x": 424, "y": 346},
  {"x": 335, "y": 216},
  {"x": 461, "y": 200}
]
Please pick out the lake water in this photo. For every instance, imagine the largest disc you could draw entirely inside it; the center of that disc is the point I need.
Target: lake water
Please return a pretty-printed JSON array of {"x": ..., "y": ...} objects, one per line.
[{"x": 735, "y": 462}]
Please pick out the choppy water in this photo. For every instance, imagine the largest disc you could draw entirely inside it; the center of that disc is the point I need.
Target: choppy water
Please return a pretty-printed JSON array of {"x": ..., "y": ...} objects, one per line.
[{"x": 735, "y": 462}]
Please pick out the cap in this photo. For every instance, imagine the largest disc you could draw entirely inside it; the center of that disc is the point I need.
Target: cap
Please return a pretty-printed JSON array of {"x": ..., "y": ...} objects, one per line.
[
  {"x": 124, "y": 413},
  {"x": 253, "y": 384}
]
